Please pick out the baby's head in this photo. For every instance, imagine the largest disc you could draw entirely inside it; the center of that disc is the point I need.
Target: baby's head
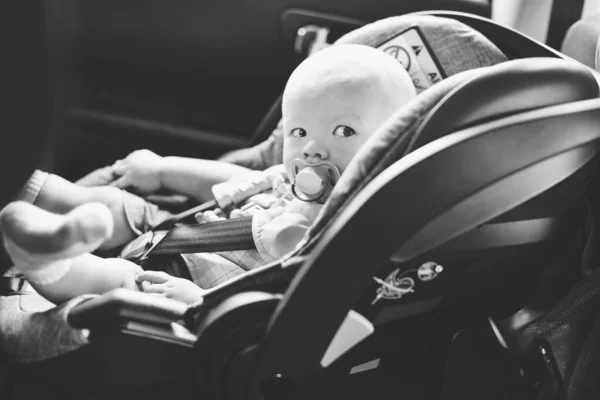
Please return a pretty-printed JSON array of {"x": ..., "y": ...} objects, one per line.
[{"x": 336, "y": 99}]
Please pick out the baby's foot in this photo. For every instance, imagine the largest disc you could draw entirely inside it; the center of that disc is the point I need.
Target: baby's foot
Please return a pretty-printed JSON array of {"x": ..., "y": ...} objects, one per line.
[{"x": 33, "y": 235}]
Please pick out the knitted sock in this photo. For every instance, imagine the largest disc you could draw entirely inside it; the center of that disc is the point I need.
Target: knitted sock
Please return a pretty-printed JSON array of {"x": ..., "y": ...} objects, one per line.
[{"x": 42, "y": 244}]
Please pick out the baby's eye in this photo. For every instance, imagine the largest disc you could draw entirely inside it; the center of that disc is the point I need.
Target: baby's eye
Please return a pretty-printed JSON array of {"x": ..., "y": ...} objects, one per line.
[
  {"x": 298, "y": 132},
  {"x": 343, "y": 131}
]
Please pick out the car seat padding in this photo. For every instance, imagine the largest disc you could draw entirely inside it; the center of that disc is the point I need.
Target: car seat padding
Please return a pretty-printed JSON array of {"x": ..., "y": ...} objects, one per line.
[
  {"x": 582, "y": 41},
  {"x": 513, "y": 43}
]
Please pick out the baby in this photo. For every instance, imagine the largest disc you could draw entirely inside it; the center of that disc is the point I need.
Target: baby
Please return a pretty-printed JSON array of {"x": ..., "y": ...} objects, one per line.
[{"x": 333, "y": 102}]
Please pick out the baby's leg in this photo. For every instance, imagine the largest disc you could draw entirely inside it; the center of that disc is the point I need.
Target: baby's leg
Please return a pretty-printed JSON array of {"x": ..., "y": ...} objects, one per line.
[
  {"x": 55, "y": 194},
  {"x": 87, "y": 274},
  {"x": 47, "y": 248}
]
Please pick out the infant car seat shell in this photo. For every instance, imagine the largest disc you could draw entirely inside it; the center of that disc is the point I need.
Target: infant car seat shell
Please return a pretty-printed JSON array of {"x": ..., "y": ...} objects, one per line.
[{"x": 499, "y": 167}]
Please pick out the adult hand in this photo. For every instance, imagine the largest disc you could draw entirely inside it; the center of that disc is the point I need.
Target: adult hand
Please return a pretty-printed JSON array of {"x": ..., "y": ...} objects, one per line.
[
  {"x": 169, "y": 286},
  {"x": 99, "y": 177},
  {"x": 139, "y": 171}
]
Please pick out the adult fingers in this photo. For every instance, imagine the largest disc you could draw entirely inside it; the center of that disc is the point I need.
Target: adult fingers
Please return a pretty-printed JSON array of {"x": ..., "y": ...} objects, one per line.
[
  {"x": 235, "y": 214},
  {"x": 119, "y": 168},
  {"x": 156, "y": 294},
  {"x": 210, "y": 216},
  {"x": 136, "y": 269},
  {"x": 121, "y": 183},
  {"x": 159, "y": 288},
  {"x": 152, "y": 277}
]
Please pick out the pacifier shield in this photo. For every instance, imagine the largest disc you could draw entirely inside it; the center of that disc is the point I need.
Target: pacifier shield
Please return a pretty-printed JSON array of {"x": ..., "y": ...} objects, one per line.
[
  {"x": 313, "y": 182},
  {"x": 309, "y": 181}
]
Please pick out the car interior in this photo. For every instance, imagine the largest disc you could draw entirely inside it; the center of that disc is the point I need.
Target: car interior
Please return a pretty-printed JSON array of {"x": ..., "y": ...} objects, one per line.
[{"x": 455, "y": 258}]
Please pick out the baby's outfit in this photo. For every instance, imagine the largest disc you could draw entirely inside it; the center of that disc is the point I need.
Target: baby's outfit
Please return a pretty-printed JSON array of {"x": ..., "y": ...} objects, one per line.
[{"x": 279, "y": 221}]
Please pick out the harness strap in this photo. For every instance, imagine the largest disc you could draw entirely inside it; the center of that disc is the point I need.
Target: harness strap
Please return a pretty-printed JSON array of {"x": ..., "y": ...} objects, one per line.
[
  {"x": 226, "y": 235},
  {"x": 168, "y": 238}
]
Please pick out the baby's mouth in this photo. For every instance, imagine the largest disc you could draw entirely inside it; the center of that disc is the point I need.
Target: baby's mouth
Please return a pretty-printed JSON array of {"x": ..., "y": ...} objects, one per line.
[
  {"x": 333, "y": 171},
  {"x": 312, "y": 182}
]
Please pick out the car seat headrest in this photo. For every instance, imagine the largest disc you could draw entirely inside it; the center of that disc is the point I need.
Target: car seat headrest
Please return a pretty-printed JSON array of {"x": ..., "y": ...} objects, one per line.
[
  {"x": 26, "y": 97},
  {"x": 518, "y": 86},
  {"x": 456, "y": 46},
  {"x": 582, "y": 41}
]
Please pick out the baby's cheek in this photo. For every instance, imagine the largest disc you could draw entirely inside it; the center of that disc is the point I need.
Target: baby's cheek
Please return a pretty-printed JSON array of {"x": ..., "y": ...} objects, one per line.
[
  {"x": 286, "y": 160},
  {"x": 348, "y": 152},
  {"x": 287, "y": 164}
]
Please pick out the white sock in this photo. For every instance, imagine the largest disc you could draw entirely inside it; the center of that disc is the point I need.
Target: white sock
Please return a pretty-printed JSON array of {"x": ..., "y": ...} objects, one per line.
[{"x": 47, "y": 267}]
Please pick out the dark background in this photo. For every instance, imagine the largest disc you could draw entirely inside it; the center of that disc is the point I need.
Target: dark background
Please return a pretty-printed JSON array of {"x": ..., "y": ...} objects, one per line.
[{"x": 184, "y": 77}]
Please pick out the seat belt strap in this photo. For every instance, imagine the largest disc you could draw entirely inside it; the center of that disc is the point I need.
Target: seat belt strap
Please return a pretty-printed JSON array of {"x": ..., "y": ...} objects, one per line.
[
  {"x": 225, "y": 235},
  {"x": 230, "y": 234}
]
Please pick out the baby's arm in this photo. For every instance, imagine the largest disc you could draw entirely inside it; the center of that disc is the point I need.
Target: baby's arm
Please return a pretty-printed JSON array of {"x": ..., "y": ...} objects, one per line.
[
  {"x": 148, "y": 173},
  {"x": 196, "y": 177}
]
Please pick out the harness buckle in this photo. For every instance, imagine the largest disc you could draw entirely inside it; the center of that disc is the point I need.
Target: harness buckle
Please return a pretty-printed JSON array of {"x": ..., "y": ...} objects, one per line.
[{"x": 138, "y": 249}]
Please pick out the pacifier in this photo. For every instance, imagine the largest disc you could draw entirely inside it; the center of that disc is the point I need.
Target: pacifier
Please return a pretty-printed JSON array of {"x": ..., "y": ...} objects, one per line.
[{"x": 313, "y": 182}]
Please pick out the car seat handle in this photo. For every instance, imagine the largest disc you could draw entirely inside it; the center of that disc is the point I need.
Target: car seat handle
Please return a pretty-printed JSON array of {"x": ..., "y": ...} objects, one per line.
[{"x": 525, "y": 154}]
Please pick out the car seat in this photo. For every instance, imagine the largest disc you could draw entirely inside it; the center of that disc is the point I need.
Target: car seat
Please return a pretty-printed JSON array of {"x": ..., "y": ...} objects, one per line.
[{"x": 497, "y": 169}]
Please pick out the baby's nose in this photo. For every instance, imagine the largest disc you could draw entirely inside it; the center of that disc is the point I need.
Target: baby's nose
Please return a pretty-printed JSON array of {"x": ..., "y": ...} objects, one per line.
[{"x": 314, "y": 150}]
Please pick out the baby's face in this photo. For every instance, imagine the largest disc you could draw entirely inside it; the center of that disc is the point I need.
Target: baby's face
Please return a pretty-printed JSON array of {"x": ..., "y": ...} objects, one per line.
[
  {"x": 330, "y": 124},
  {"x": 336, "y": 100}
]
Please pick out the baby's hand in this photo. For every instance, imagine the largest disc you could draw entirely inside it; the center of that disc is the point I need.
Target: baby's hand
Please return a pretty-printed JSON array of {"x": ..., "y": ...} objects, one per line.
[
  {"x": 169, "y": 286},
  {"x": 140, "y": 170},
  {"x": 127, "y": 272},
  {"x": 209, "y": 216}
]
